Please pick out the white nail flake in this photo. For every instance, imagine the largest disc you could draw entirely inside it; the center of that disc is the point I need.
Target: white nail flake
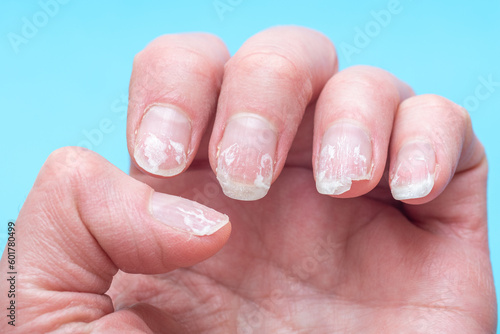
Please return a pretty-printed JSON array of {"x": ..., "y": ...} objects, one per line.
[
  {"x": 266, "y": 163},
  {"x": 338, "y": 166},
  {"x": 186, "y": 215},
  {"x": 154, "y": 150},
  {"x": 157, "y": 154},
  {"x": 414, "y": 190},
  {"x": 242, "y": 190},
  {"x": 180, "y": 153},
  {"x": 416, "y": 186},
  {"x": 230, "y": 154},
  {"x": 199, "y": 223}
]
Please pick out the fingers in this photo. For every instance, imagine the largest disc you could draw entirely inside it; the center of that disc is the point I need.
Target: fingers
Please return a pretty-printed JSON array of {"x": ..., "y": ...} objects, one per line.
[
  {"x": 173, "y": 92},
  {"x": 431, "y": 141},
  {"x": 353, "y": 123},
  {"x": 265, "y": 90},
  {"x": 85, "y": 219},
  {"x": 438, "y": 163},
  {"x": 267, "y": 86},
  {"x": 362, "y": 111}
]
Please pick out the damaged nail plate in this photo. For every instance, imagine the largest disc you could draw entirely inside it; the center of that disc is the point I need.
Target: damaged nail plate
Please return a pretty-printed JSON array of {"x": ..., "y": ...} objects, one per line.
[
  {"x": 345, "y": 156},
  {"x": 245, "y": 159},
  {"x": 185, "y": 215},
  {"x": 413, "y": 173},
  {"x": 162, "y": 140}
]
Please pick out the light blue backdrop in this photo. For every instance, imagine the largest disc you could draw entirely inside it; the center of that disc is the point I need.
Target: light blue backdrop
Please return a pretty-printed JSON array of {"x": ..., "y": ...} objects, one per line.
[{"x": 65, "y": 68}]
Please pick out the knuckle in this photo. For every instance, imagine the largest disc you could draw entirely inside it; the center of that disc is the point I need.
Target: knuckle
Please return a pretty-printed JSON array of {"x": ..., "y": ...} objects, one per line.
[
  {"x": 272, "y": 62},
  {"x": 463, "y": 115},
  {"x": 137, "y": 59},
  {"x": 364, "y": 73},
  {"x": 370, "y": 77},
  {"x": 168, "y": 52},
  {"x": 454, "y": 113},
  {"x": 375, "y": 82},
  {"x": 70, "y": 165},
  {"x": 167, "y": 61},
  {"x": 435, "y": 101},
  {"x": 272, "y": 65}
]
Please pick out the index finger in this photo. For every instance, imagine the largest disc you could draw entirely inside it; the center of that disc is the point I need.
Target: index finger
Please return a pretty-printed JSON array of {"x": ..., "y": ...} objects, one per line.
[{"x": 173, "y": 93}]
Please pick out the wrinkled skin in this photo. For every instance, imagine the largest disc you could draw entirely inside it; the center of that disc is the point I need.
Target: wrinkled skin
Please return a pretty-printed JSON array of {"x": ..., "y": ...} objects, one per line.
[{"x": 94, "y": 258}]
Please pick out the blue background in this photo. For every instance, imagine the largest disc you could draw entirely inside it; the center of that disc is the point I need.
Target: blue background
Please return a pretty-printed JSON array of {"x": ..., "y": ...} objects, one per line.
[{"x": 72, "y": 72}]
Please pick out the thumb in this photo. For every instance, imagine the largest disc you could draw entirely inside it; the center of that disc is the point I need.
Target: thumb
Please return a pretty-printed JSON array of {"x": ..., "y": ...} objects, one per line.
[{"x": 83, "y": 220}]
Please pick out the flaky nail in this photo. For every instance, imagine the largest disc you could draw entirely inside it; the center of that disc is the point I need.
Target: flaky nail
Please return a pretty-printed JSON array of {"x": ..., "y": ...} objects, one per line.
[
  {"x": 246, "y": 157},
  {"x": 185, "y": 215},
  {"x": 162, "y": 140},
  {"x": 413, "y": 173},
  {"x": 345, "y": 156}
]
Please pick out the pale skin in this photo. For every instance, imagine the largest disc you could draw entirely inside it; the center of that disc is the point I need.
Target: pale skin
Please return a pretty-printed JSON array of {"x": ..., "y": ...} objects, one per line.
[{"x": 93, "y": 258}]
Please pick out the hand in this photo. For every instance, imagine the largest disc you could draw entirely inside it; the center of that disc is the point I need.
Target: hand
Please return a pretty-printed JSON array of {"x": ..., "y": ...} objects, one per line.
[{"x": 395, "y": 243}]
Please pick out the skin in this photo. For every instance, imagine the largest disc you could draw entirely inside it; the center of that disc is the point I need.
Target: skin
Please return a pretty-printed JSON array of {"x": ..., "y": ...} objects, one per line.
[{"x": 92, "y": 258}]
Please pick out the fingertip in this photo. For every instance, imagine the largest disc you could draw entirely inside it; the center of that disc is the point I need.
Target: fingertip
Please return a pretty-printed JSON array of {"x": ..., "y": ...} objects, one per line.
[
  {"x": 173, "y": 94},
  {"x": 163, "y": 141},
  {"x": 353, "y": 122},
  {"x": 267, "y": 86},
  {"x": 245, "y": 157},
  {"x": 191, "y": 232},
  {"x": 413, "y": 172},
  {"x": 432, "y": 140},
  {"x": 345, "y": 157},
  {"x": 186, "y": 215}
]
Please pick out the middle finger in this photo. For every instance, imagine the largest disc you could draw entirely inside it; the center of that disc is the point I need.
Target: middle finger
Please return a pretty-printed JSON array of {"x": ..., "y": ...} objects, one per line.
[{"x": 267, "y": 86}]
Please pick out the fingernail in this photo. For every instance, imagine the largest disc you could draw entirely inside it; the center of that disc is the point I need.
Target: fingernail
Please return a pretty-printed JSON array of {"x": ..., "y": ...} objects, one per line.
[
  {"x": 345, "y": 156},
  {"x": 163, "y": 140},
  {"x": 413, "y": 173},
  {"x": 185, "y": 215},
  {"x": 246, "y": 157}
]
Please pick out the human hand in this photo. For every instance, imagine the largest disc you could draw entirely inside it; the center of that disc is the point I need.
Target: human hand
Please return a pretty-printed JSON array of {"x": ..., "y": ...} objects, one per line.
[{"x": 358, "y": 261}]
